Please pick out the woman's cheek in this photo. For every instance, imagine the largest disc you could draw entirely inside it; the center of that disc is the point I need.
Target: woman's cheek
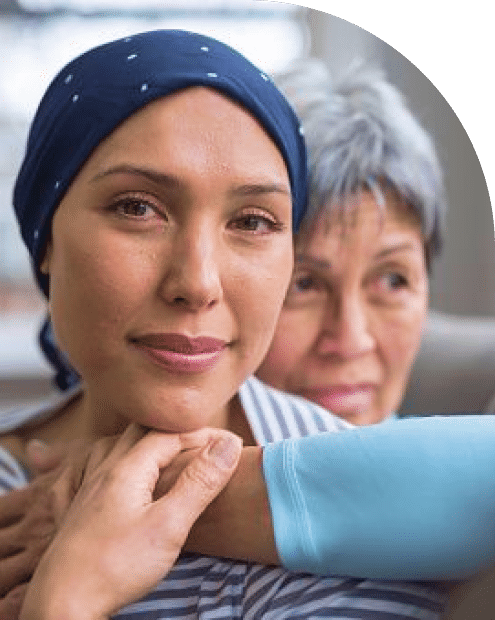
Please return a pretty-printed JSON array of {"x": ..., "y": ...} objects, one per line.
[
  {"x": 262, "y": 296},
  {"x": 402, "y": 339},
  {"x": 286, "y": 351}
]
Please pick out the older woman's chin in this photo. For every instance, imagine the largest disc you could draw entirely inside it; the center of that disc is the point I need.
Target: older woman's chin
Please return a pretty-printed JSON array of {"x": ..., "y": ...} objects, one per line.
[
  {"x": 365, "y": 418},
  {"x": 359, "y": 405}
]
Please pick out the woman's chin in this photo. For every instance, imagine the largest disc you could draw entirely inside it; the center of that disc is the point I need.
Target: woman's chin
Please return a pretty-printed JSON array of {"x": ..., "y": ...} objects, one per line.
[{"x": 176, "y": 418}]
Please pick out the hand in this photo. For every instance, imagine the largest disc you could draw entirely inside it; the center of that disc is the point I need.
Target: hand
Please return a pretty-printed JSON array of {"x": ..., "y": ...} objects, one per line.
[
  {"x": 30, "y": 517},
  {"x": 124, "y": 539},
  {"x": 241, "y": 512}
]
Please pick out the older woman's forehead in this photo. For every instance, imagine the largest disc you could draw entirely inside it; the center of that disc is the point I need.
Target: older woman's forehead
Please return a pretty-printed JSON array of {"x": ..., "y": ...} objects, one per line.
[{"x": 386, "y": 205}]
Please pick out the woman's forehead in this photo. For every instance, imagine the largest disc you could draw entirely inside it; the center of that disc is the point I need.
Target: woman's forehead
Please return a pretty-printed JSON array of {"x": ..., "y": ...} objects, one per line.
[
  {"x": 183, "y": 108},
  {"x": 181, "y": 130}
]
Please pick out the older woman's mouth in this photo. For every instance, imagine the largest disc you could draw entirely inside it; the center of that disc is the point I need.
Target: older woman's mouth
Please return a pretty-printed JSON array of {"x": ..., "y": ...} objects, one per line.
[
  {"x": 179, "y": 353},
  {"x": 341, "y": 398}
]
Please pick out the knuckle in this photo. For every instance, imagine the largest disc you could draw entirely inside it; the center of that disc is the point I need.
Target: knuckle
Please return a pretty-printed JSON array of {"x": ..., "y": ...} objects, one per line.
[{"x": 204, "y": 476}]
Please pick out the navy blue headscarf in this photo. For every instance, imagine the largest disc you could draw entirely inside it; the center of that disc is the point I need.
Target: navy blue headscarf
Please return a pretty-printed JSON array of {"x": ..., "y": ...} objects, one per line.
[{"x": 101, "y": 88}]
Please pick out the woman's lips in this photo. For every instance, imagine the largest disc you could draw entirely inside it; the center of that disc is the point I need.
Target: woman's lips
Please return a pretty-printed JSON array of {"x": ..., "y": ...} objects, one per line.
[
  {"x": 179, "y": 353},
  {"x": 341, "y": 398}
]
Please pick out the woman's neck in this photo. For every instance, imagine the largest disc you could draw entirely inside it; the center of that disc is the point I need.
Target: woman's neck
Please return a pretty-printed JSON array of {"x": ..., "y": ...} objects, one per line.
[
  {"x": 82, "y": 419},
  {"x": 237, "y": 422}
]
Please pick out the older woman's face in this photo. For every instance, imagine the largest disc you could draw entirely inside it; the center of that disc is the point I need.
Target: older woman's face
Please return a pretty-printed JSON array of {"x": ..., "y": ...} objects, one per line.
[
  {"x": 169, "y": 260},
  {"x": 351, "y": 324}
]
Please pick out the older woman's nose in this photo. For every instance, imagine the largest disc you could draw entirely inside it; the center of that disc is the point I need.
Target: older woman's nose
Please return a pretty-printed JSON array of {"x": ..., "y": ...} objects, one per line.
[
  {"x": 192, "y": 277},
  {"x": 345, "y": 329}
]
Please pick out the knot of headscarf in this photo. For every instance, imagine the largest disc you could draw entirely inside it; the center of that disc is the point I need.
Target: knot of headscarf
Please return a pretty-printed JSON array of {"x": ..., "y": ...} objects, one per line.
[{"x": 101, "y": 88}]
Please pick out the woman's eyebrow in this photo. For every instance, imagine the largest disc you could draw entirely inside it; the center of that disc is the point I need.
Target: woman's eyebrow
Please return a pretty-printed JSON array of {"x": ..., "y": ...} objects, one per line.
[
  {"x": 256, "y": 189},
  {"x": 159, "y": 178},
  {"x": 168, "y": 180}
]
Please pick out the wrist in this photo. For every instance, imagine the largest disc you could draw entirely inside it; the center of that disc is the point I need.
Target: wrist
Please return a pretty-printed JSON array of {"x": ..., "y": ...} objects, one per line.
[
  {"x": 242, "y": 514},
  {"x": 54, "y": 595},
  {"x": 57, "y": 610}
]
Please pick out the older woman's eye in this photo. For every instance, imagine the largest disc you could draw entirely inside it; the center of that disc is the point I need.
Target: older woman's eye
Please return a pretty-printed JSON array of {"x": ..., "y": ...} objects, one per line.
[
  {"x": 304, "y": 283},
  {"x": 396, "y": 280},
  {"x": 392, "y": 281},
  {"x": 305, "y": 288}
]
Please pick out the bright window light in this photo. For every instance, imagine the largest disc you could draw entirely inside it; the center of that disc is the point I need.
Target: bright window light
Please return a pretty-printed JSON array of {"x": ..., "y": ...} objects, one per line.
[
  {"x": 32, "y": 56},
  {"x": 158, "y": 5}
]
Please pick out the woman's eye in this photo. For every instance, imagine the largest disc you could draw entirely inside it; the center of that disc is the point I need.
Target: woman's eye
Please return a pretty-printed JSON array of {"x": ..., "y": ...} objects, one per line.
[
  {"x": 135, "y": 208},
  {"x": 256, "y": 223}
]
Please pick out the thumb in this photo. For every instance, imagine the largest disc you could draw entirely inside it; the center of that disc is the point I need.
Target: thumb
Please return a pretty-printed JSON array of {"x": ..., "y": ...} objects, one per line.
[{"x": 202, "y": 480}]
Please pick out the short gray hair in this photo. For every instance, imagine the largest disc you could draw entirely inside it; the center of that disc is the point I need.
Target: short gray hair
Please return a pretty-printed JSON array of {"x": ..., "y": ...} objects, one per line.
[{"x": 361, "y": 135}]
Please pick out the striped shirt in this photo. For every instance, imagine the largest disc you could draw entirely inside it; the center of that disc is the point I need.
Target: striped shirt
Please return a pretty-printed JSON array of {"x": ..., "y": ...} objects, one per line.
[{"x": 208, "y": 588}]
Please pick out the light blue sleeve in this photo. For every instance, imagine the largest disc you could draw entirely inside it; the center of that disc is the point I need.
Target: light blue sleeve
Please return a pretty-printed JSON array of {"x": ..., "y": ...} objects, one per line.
[{"x": 407, "y": 499}]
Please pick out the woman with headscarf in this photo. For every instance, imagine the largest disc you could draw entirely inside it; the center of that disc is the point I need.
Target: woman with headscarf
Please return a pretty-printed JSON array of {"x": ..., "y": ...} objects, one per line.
[
  {"x": 162, "y": 179},
  {"x": 89, "y": 270}
]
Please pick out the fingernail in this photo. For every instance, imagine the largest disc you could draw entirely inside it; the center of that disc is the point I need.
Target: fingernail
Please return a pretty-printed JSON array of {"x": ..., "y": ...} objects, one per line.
[
  {"x": 224, "y": 451},
  {"x": 37, "y": 447}
]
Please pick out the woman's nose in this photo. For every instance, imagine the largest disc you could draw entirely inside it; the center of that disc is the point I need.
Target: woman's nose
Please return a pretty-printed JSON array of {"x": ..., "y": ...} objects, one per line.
[
  {"x": 192, "y": 278},
  {"x": 346, "y": 329}
]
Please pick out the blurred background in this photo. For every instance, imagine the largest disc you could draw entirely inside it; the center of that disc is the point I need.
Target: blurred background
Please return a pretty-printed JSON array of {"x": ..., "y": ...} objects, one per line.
[{"x": 39, "y": 36}]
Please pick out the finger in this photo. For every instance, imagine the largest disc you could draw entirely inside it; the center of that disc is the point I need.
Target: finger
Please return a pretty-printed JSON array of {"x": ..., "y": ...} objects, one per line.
[
  {"x": 63, "y": 490},
  {"x": 132, "y": 434},
  {"x": 11, "y": 603},
  {"x": 42, "y": 457},
  {"x": 168, "y": 475},
  {"x": 151, "y": 453},
  {"x": 9, "y": 541},
  {"x": 34, "y": 529},
  {"x": 29, "y": 522},
  {"x": 16, "y": 570},
  {"x": 112, "y": 449},
  {"x": 192, "y": 443},
  {"x": 200, "y": 438},
  {"x": 13, "y": 505},
  {"x": 22, "y": 546},
  {"x": 200, "y": 483}
]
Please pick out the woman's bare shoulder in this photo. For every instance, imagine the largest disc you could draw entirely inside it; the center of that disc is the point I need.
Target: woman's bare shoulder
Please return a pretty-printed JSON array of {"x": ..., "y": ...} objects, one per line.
[{"x": 50, "y": 420}]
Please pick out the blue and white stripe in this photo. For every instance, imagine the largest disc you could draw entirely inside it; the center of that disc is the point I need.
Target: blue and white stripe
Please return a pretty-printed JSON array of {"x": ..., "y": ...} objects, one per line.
[{"x": 207, "y": 588}]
